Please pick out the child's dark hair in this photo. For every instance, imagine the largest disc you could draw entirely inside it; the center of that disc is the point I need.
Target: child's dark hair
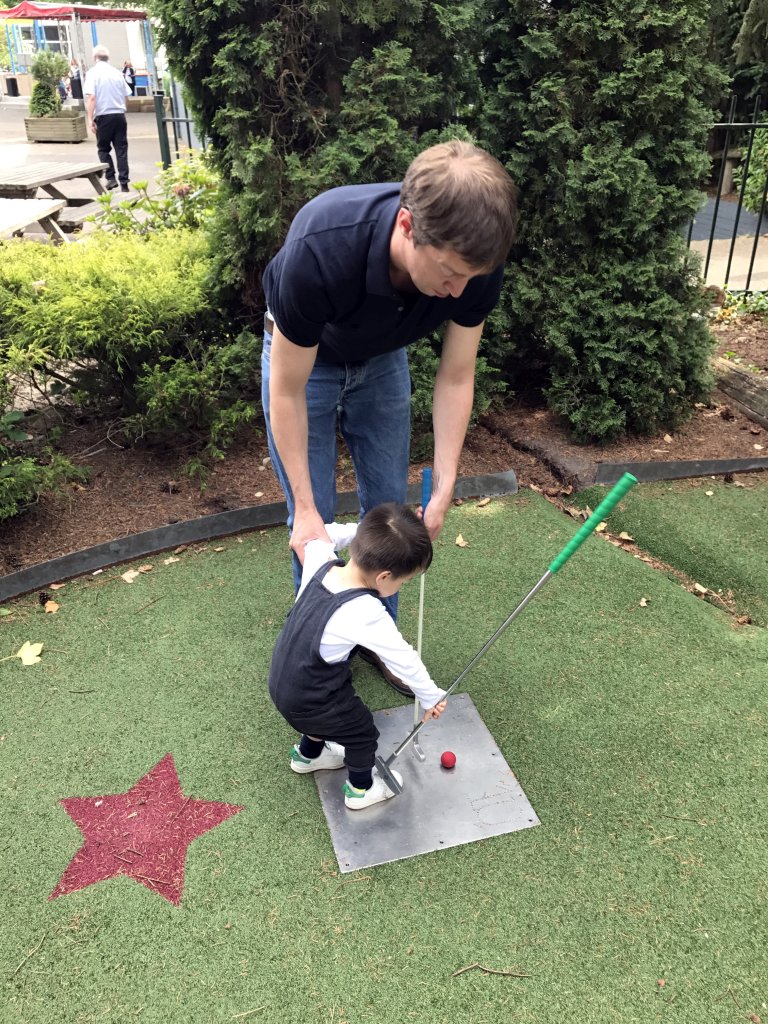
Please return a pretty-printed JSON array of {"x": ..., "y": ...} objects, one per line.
[{"x": 392, "y": 538}]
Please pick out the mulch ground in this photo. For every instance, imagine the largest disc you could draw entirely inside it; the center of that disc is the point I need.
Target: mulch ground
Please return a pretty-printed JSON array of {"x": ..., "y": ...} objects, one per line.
[{"x": 135, "y": 489}]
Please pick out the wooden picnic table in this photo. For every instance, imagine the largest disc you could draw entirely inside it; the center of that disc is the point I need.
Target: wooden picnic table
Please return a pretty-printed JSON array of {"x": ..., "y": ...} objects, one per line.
[
  {"x": 23, "y": 182},
  {"x": 16, "y": 215}
]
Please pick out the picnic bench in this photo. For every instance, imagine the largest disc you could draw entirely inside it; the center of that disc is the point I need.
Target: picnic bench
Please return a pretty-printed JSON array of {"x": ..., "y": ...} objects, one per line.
[
  {"x": 16, "y": 215},
  {"x": 22, "y": 182}
]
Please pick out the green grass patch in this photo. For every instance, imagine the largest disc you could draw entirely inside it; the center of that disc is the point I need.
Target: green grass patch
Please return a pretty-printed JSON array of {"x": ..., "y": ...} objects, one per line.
[
  {"x": 638, "y": 734},
  {"x": 712, "y": 531}
]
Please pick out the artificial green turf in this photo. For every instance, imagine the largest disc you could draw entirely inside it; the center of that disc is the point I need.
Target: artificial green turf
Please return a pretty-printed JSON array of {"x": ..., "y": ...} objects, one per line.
[
  {"x": 638, "y": 734},
  {"x": 714, "y": 532}
]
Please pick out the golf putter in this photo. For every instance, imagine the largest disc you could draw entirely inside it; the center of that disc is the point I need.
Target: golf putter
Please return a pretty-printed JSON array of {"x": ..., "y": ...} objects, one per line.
[
  {"x": 426, "y": 494},
  {"x": 604, "y": 509}
]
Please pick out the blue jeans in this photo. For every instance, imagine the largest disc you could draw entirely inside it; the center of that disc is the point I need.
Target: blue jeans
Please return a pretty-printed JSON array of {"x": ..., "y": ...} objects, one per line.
[{"x": 370, "y": 403}]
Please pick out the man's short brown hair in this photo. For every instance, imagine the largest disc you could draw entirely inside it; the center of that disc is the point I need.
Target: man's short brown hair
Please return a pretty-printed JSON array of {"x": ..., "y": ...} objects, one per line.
[
  {"x": 462, "y": 198},
  {"x": 391, "y": 538}
]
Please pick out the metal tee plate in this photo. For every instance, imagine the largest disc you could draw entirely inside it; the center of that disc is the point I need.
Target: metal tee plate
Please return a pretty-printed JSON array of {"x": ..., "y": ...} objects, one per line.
[{"x": 438, "y": 807}]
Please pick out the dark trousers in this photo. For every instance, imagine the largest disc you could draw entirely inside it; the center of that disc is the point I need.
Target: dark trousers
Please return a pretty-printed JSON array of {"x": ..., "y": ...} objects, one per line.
[
  {"x": 112, "y": 131},
  {"x": 346, "y": 721}
]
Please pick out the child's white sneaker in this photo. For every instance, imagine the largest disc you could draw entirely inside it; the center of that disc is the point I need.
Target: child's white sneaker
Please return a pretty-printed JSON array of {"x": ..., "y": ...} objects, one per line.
[
  {"x": 331, "y": 757},
  {"x": 357, "y": 799}
]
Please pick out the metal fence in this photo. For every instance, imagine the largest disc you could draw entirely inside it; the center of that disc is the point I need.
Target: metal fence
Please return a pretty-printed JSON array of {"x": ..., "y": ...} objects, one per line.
[
  {"x": 176, "y": 117},
  {"x": 732, "y": 240}
]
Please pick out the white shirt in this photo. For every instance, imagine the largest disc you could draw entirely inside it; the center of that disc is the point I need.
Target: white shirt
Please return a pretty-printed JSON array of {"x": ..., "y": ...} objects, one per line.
[
  {"x": 364, "y": 620},
  {"x": 108, "y": 86}
]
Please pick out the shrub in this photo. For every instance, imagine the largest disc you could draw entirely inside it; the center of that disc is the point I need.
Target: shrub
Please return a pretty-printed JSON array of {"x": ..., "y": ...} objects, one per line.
[
  {"x": 47, "y": 68},
  {"x": 757, "y": 178},
  {"x": 131, "y": 319},
  {"x": 423, "y": 359},
  {"x": 26, "y": 475},
  {"x": 185, "y": 195},
  {"x": 602, "y": 126}
]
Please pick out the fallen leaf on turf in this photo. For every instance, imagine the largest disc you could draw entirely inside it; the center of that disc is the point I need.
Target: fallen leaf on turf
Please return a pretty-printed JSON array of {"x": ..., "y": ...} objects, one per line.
[
  {"x": 179, "y": 549},
  {"x": 754, "y": 1018},
  {"x": 755, "y": 430},
  {"x": 484, "y": 502},
  {"x": 146, "y": 568},
  {"x": 698, "y": 589},
  {"x": 461, "y": 543},
  {"x": 5, "y": 611},
  {"x": 758, "y": 447},
  {"x": 29, "y": 653},
  {"x": 667, "y": 438},
  {"x": 661, "y": 982},
  {"x": 743, "y": 620},
  {"x": 259, "y": 494},
  {"x": 170, "y": 561},
  {"x": 218, "y": 549},
  {"x": 129, "y": 576},
  {"x": 601, "y": 527},
  {"x": 643, "y": 602},
  {"x": 57, "y": 586},
  {"x": 51, "y": 607},
  {"x": 709, "y": 493},
  {"x": 625, "y": 536}
]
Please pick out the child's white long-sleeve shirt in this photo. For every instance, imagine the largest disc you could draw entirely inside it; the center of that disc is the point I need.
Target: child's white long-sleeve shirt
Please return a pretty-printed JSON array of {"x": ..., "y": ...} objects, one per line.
[{"x": 365, "y": 621}]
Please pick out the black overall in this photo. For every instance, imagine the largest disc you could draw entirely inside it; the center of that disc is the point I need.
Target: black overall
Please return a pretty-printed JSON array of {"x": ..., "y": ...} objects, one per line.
[{"x": 314, "y": 697}]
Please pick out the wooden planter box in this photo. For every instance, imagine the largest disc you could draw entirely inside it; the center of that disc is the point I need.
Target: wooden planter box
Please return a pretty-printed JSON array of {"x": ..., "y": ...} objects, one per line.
[{"x": 68, "y": 126}]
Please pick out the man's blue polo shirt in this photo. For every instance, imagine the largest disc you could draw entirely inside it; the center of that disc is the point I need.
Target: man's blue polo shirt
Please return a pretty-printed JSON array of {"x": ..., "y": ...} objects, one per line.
[{"x": 330, "y": 284}]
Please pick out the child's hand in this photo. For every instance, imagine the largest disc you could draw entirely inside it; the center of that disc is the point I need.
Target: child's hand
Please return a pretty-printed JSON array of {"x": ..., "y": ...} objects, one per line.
[{"x": 434, "y": 712}]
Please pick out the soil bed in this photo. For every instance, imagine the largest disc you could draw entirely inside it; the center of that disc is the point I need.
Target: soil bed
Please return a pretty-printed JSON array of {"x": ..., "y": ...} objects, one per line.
[{"x": 136, "y": 489}]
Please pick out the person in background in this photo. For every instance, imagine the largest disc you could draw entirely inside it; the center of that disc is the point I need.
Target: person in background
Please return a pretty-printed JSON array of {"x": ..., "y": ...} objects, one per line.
[
  {"x": 75, "y": 81},
  {"x": 130, "y": 76},
  {"x": 106, "y": 90}
]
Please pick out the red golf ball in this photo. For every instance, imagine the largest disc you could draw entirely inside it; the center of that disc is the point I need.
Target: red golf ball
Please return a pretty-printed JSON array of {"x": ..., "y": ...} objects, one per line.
[{"x": 448, "y": 759}]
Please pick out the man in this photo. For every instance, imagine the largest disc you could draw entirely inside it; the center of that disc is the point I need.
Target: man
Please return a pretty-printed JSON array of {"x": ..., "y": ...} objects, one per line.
[
  {"x": 366, "y": 270},
  {"x": 105, "y": 90}
]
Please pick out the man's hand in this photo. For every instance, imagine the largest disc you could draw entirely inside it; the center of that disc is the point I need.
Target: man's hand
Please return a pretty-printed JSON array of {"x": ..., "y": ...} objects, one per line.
[
  {"x": 434, "y": 517},
  {"x": 435, "y": 712},
  {"x": 307, "y": 526}
]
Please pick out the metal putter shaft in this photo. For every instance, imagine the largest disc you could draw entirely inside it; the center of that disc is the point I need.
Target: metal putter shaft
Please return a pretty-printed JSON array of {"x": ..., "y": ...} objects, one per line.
[
  {"x": 426, "y": 494},
  {"x": 605, "y": 507}
]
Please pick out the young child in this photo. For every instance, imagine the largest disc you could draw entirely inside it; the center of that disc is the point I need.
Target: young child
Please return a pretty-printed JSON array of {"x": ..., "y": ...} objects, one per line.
[{"x": 337, "y": 610}]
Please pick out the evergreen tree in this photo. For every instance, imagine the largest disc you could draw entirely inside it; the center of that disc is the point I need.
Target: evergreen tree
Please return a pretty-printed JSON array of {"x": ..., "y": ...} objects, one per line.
[
  {"x": 752, "y": 42},
  {"x": 597, "y": 111},
  {"x": 305, "y": 95}
]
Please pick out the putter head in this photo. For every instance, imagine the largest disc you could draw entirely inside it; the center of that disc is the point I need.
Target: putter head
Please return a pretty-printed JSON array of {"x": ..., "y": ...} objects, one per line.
[
  {"x": 418, "y": 751},
  {"x": 389, "y": 778}
]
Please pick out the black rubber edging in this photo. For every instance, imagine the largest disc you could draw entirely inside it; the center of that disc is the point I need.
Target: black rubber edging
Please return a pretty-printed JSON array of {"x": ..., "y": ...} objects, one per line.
[
  {"x": 649, "y": 472},
  {"x": 222, "y": 524}
]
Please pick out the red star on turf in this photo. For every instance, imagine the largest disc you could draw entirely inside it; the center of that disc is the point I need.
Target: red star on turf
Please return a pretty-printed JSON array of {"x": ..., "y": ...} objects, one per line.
[{"x": 143, "y": 833}]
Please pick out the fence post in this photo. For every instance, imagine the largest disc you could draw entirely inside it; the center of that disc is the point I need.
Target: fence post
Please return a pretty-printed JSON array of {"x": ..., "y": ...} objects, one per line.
[{"x": 162, "y": 129}]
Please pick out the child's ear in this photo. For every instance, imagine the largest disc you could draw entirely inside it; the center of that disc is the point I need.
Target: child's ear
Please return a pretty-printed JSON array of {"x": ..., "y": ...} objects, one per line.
[{"x": 383, "y": 577}]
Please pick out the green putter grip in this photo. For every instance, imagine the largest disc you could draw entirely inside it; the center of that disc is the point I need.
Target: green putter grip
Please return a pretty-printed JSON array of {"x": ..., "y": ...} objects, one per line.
[{"x": 606, "y": 506}]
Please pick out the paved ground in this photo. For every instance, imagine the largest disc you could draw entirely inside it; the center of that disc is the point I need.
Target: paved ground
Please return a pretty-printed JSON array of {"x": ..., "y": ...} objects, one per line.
[
  {"x": 15, "y": 151},
  {"x": 747, "y": 231}
]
